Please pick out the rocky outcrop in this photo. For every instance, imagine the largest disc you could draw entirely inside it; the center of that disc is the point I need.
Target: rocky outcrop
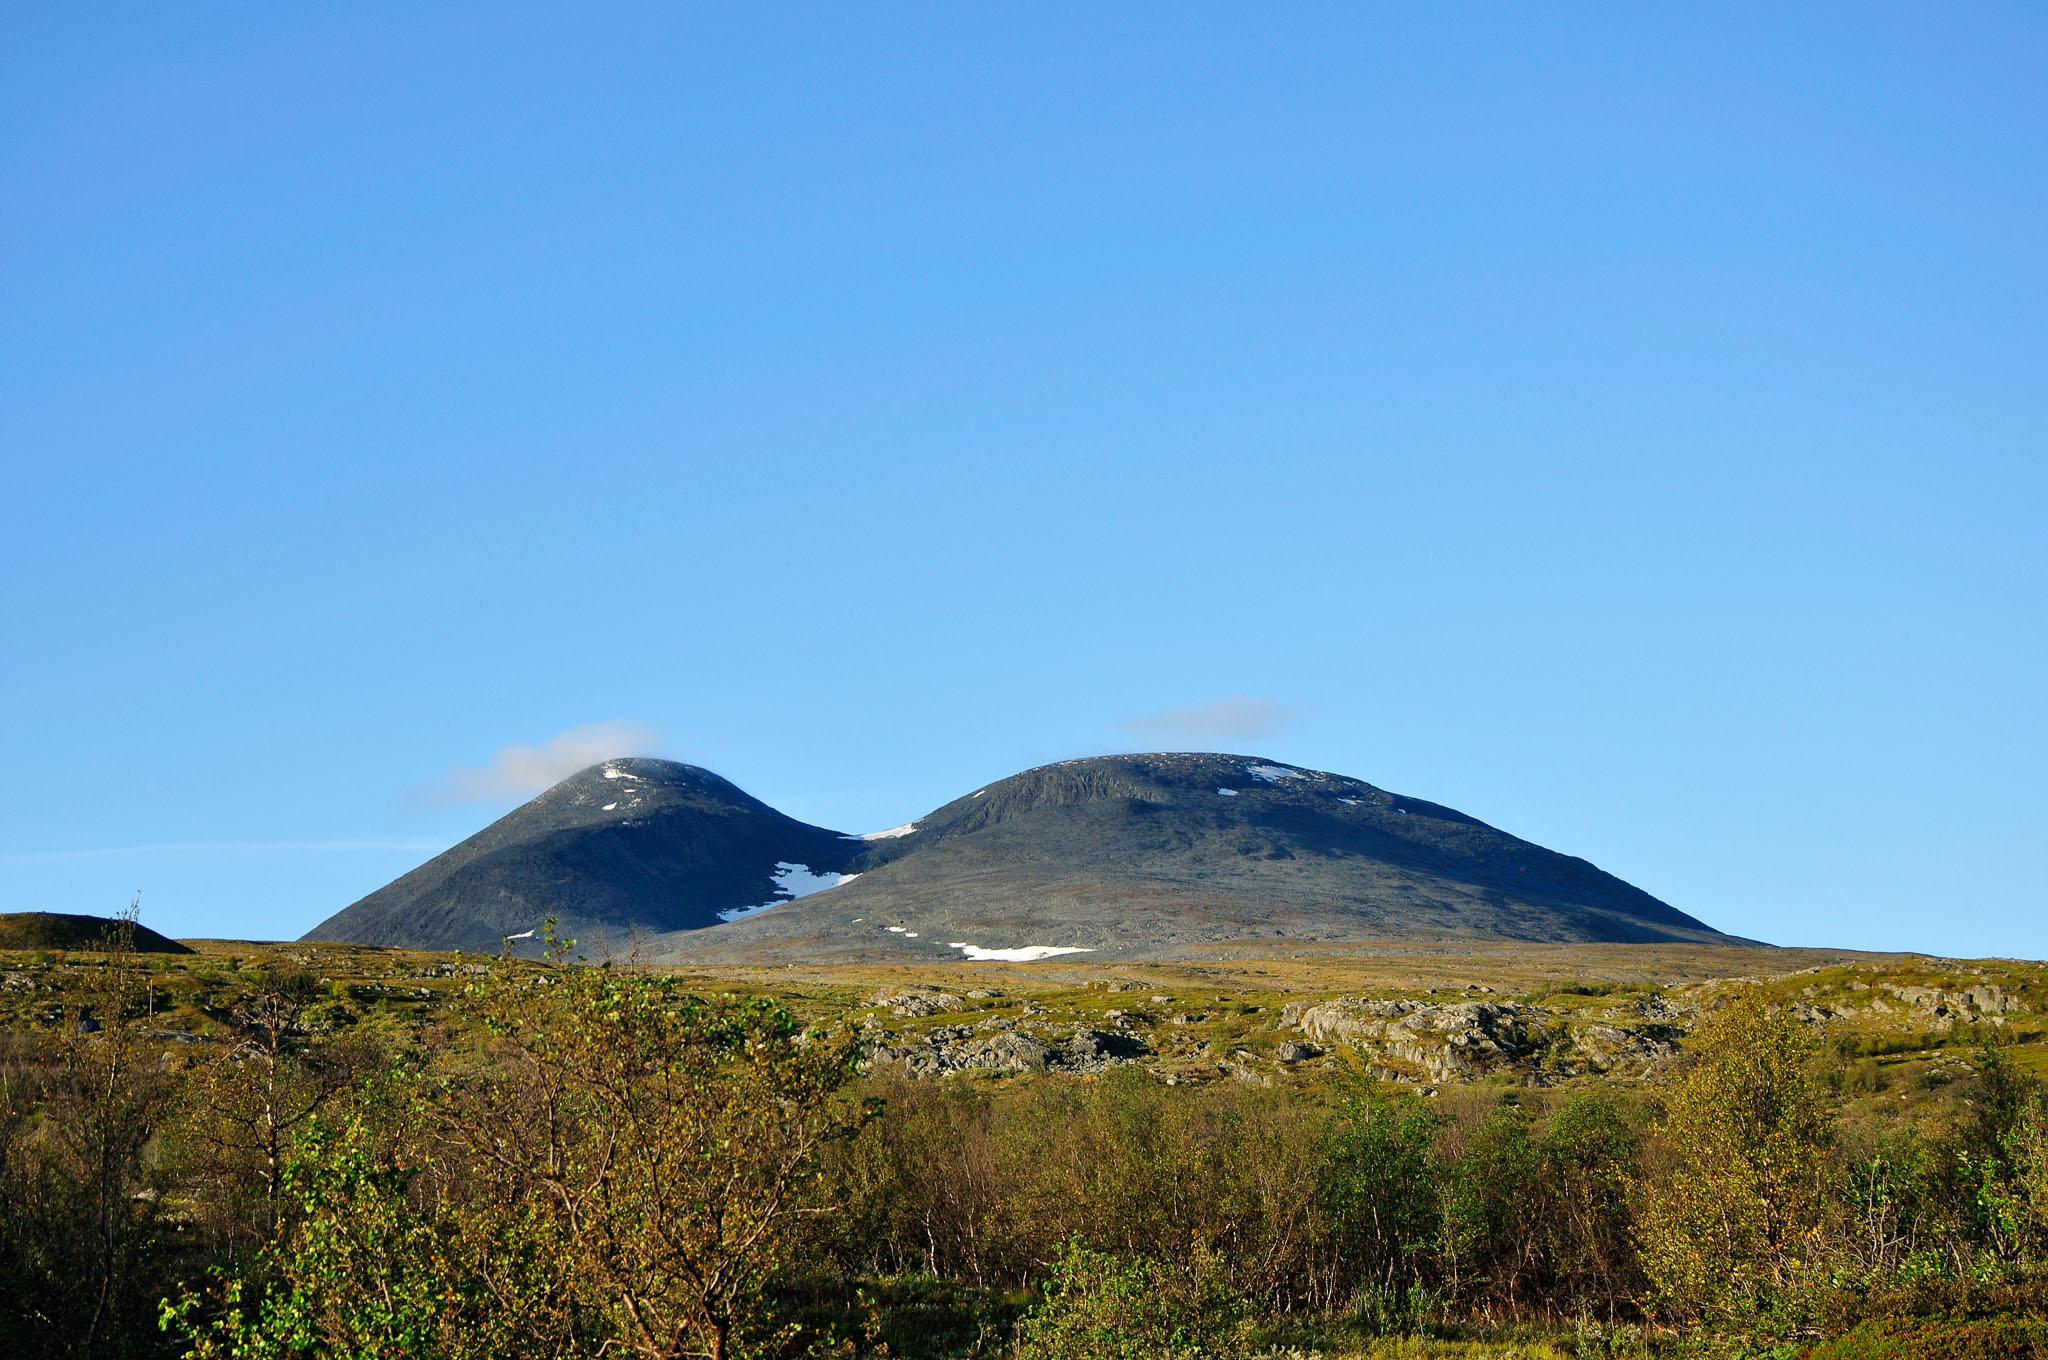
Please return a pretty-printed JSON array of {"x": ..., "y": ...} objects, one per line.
[
  {"x": 1629, "y": 1033},
  {"x": 1936, "y": 1009},
  {"x": 955, "y": 1048},
  {"x": 1986, "y": 999},
  {"x": 1604, "y": 1048},
  {"x": 917, "y": 1002},
  {"x": 1410, "y": 1040},
  {"x": 1010, "y": 1048},
  {"x": 1092, "y": 1050}
]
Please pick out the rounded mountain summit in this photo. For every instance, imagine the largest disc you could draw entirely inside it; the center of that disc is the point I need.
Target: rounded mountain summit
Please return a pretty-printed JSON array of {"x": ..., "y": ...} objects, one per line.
[{"x": 1139, "y": 856}]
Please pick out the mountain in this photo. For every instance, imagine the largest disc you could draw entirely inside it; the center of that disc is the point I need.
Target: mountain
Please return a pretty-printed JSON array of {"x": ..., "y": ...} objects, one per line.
[
  {"x": 624, "y": 849},
  {"x": 1119, "y": 856},
  {"x": 1147, "y": 855}
]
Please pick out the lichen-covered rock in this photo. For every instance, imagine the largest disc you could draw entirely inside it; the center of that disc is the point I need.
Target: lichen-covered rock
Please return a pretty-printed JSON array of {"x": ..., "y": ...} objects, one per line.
[
  {"x": 1608, "y": 1048},
  {"x": 1466, "y": 1039},
  {"x": 1092, "y": 1050},
  {"x": 955, "y": 1049},
  {"x": 1348, "y": 1019},
  {"x": 918, "y": 1002},
  {"x": 1008, "y": 1052},
  {"x": 1987, "y": 998}
]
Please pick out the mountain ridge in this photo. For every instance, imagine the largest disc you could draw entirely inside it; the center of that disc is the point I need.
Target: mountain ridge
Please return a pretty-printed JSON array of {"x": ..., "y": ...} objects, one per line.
[{"x": 1122, "y": 856}]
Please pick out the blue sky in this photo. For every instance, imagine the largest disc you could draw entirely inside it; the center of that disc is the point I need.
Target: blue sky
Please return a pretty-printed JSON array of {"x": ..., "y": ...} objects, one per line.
[{"x": 1624, "y": 424}]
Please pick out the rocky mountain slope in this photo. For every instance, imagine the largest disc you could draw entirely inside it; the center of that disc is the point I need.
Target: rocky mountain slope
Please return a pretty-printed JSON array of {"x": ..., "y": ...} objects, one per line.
[
  {"x": 1114, "y": 856},
  {"x": 622, "y": 850},
  {"x": 1157, "y": 855}
]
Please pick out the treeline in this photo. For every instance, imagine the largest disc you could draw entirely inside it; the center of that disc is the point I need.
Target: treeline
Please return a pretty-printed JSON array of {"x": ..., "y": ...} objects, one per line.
[{"x": 578, "y": 1161}]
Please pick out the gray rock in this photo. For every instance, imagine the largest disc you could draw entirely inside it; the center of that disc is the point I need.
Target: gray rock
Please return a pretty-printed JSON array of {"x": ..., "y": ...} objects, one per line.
[
  {"x": 953, "y": 1049},
  {"x": 1466, "y": 1039},
  {"x": 1092, "y": 1050},
  {"x": 1348, "y": 1019},
  {"x": 917, "y": 1004},
  {"x": 1010, "y": 1052},
  {"x": 1992, "y": 999}
]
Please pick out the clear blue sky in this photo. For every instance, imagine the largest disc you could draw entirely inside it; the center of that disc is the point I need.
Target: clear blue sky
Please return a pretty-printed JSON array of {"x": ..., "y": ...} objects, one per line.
[{"x": 1623, "y": 423}]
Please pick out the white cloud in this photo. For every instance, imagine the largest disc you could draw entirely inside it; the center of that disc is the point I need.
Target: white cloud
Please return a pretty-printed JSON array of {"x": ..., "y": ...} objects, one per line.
[
  {"x": 1235, "y": 717},
  {"x": 522, "y": 771}
]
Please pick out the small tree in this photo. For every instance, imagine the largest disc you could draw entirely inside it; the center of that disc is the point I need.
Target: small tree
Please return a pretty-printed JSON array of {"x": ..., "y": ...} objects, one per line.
[
  {"x": 1736, "y": 1220},
  {"x": 670, "y": 1142},
  {"x": 251, "y": 1099}
]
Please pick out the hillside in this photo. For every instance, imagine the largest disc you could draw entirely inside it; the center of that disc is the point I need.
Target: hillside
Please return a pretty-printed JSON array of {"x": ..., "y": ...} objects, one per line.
[{"x": 62, "y": 930}]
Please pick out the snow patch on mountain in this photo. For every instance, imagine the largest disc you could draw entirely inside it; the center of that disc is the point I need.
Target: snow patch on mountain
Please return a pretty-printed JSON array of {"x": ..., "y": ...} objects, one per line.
[
  {"x": 1029, "y": 953},
  {"x": 890, "y": 834},
  {"x": 792, "y": 881}
]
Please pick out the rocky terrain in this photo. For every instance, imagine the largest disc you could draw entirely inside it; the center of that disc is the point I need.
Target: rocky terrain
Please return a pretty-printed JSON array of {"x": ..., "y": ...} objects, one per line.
[
  {"x": 1630, "y": 1033},
  {"x": 1114, "y": 857},
  {"x": 1394, "y": 1039},
  {"x": 1428, "y": 1018}
]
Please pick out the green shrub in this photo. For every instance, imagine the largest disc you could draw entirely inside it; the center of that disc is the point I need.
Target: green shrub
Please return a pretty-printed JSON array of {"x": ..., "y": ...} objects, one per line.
[
  {"x": 1101, "y": 1306},
  {"x": 1735, "y": 1226}
]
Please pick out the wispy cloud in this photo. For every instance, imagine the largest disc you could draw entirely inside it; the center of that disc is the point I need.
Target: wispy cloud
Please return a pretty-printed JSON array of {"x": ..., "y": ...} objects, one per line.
[
  {"x": 522, "y": 771},
  {"x": 232, "y": 848},
  {"x": 1235, "y": 717}
]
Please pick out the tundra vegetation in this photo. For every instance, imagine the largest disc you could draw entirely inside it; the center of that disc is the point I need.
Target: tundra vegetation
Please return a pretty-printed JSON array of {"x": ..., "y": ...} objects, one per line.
[{"x": 286, "y": 1150}]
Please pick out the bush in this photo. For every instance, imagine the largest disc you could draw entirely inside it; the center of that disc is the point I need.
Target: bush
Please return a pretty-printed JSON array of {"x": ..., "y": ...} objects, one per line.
[
  {"x": 1379, "y": 1188},
  {"x": 1101, "y": 1306}
]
